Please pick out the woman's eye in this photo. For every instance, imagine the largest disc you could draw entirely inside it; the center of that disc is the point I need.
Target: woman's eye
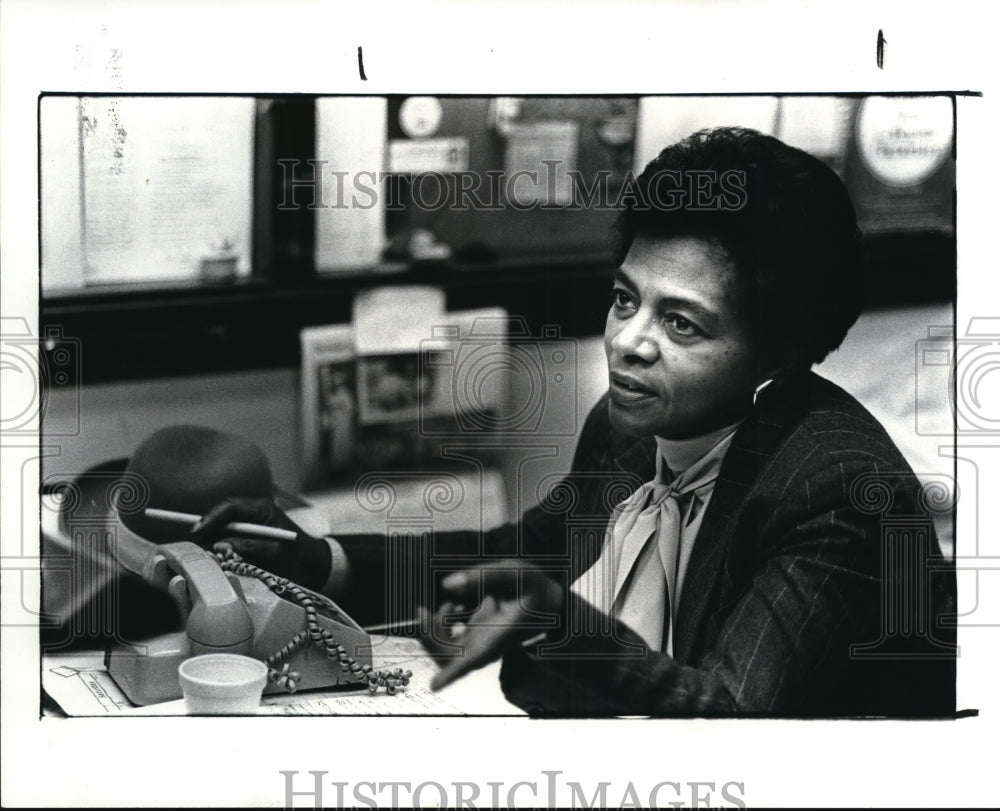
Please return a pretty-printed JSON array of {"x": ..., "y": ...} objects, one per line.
[
  {"x": 681, "y": 325},
  {"x": 621, "y": 299}
]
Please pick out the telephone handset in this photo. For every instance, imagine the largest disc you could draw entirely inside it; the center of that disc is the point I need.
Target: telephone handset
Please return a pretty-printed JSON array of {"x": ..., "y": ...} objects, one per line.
[
  {"x": 218, "y": 621},
  {"x": 234, "y": 607}
]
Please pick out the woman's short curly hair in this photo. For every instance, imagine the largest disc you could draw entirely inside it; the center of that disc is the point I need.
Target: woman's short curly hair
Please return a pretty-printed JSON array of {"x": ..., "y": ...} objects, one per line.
[{"x": 781, "y": 215}]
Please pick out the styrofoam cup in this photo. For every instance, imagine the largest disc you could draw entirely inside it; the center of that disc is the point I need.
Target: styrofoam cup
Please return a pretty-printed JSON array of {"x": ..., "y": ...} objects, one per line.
[{"x": 222, "y": 684}]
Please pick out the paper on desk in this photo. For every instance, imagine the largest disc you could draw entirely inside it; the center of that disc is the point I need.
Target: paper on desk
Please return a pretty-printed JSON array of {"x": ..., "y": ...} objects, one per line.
[
  {"x": 81, "y": 686},
  {"x": 477, "y": 694}
]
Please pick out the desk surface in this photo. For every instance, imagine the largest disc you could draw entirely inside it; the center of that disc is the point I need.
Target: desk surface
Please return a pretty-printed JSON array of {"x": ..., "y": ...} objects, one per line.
[
  {"x": 444, "y": 500},
  {"x": 81, "y": 686}
]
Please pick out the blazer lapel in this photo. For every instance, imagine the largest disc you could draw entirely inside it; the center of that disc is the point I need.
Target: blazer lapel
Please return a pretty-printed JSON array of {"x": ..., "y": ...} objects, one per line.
[{"x": 754, "y": 442}]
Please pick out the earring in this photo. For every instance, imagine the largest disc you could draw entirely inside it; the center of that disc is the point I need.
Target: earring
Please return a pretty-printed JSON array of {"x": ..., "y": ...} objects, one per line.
[{"x": 760, "y": 388}]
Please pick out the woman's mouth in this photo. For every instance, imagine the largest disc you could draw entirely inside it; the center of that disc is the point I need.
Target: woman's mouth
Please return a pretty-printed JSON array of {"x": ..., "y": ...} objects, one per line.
[{"x": 625, "y": 390}]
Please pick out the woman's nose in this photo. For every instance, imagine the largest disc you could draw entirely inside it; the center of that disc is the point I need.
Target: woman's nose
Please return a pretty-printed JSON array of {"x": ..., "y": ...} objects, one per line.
[{"x": 632, "y": 339}]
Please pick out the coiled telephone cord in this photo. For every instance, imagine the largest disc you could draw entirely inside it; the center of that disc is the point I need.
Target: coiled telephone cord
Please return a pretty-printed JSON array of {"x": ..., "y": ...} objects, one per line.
[{"x": 278, "y": 671}]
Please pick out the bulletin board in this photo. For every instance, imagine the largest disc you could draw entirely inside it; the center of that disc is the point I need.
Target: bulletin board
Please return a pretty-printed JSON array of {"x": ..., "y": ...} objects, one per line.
[{"x": 579, "y": 149}]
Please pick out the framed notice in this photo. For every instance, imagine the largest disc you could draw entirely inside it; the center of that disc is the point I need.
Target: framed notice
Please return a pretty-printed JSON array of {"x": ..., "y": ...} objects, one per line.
[{"x": 144, "y": 189}]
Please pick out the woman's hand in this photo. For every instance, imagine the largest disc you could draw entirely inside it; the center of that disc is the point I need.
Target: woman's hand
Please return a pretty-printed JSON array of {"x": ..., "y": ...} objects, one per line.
[
  {"x": 514, "y": 601},
  {"x": 305, "y": 561}
]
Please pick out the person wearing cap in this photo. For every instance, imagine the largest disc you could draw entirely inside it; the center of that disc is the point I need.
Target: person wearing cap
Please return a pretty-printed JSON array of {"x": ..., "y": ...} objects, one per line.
[{"x": 746, "y": 567}]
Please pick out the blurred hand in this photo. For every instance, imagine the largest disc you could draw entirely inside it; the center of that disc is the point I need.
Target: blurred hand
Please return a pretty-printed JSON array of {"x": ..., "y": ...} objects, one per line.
[
  {"x": 508, "y": 595},
  {"x": 305, "y": 561}
]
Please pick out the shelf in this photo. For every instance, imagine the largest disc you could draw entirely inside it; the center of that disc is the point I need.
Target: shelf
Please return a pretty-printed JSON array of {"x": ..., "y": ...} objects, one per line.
[
  {"x": 159, "y": 331},
  {"x": 154, "y": 331}
]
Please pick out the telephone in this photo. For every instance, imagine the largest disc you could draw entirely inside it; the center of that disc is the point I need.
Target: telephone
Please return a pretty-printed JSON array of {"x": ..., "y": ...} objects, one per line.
[{"x": 234, "y": 607}]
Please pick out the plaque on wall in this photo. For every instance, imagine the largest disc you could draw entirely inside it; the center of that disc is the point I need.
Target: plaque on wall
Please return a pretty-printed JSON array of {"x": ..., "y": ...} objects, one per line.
[{"x": 900, "y": 164}]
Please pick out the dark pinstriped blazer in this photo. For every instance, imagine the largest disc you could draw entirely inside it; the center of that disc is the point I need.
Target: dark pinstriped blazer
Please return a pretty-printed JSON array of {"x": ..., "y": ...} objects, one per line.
[{"x": 816, "y": 585}]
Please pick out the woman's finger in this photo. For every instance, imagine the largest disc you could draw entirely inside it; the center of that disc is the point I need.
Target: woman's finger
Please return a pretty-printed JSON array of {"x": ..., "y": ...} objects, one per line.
[
  {"x": 434, "y": 636},
  {"x": 499, "y": 578},
  {"x": 484, "y": 640}
]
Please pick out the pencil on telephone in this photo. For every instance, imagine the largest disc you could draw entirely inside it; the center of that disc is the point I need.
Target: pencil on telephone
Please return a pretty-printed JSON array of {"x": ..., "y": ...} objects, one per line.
[{"x": 240, "y": 528}]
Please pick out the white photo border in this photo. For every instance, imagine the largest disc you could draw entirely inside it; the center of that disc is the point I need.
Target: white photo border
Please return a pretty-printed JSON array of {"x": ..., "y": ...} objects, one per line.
[{"x": 635, "y": 48}]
